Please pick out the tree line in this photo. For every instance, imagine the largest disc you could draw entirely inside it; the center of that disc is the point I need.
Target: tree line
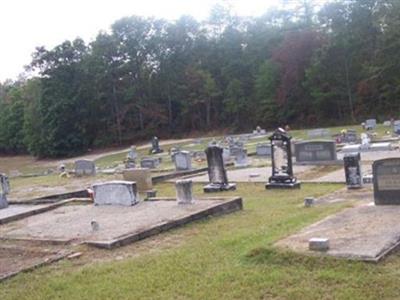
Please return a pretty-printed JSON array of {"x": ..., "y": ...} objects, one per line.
[{"x": 302, "y": 65}]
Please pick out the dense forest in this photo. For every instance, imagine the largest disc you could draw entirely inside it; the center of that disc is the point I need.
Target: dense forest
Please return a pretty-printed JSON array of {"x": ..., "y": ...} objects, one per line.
[{"x": 302, "y": 64}]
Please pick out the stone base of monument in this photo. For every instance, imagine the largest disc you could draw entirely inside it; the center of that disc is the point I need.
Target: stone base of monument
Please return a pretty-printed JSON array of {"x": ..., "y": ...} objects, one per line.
[
  {"x": 365, "y": 232},
  {"x": 217, "y": 187},
  {"x": 117, "y": 225},
  {"x": 281, "y": 185}
]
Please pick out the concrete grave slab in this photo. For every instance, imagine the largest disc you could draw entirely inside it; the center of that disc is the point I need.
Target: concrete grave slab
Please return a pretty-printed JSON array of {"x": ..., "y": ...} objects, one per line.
[
  {"x": 117, "y": 225},
  {"x": 20, "y": 211},
  {"x": 365, "y": 232}
]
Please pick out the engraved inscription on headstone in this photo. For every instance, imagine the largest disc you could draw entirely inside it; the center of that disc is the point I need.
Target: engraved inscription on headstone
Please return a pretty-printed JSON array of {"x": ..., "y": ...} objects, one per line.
[
  {"x": 386, "y": 178},
  {"x": 310, "y": 151}
]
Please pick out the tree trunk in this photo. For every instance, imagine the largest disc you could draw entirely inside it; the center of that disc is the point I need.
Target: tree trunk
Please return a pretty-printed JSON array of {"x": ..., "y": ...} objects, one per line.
[
  {"x": 117, "y": 114},
  {"x": 348, "y": 87}
]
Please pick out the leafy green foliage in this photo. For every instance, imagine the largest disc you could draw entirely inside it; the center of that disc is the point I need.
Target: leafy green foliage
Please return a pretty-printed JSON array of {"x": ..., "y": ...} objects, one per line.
[{"x": 303, "y": 65}]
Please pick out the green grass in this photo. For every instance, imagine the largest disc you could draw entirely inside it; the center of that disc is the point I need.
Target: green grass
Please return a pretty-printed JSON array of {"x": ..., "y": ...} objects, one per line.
[{"x": 229, "y": 257}]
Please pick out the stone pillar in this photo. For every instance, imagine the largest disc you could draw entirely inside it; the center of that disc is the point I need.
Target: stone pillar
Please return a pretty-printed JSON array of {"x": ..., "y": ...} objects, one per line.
[
  {"x": 4, "y": 190},
  {"x": 184, "y": 191}
]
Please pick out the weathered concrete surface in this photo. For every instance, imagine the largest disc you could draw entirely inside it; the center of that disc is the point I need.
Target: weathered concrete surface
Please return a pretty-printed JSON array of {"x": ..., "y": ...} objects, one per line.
[
  {"x": 117, "y": 225},
  {"x": 249, "y": 174},
  {"x": 14, "y": 260},
  {"x": 365, "y": 232}
]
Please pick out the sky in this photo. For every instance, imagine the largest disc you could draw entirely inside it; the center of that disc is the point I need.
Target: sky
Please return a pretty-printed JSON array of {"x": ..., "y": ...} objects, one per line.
[{"x": 26, "y": 24}]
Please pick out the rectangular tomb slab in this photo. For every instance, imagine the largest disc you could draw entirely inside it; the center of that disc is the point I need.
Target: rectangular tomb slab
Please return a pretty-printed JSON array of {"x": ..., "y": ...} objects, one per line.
[
  {"x": 18, "y": 211},
  {"x": 366, "y": 232},
  {"x": 117, "y": 225}
]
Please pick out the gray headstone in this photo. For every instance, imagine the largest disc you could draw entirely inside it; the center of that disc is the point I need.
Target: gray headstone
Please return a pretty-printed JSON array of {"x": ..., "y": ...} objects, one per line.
[
  {"x": 263, "y": 149},
  {"x": 315, "y": 151},
  {"x": 183, "y": 160},
  {"x": 184, "y": 191},
  {"x": 85, "y": 167},
  {"x": 241, "y": 158},
  {"x": 386, "y": 179},
  {"x": 132, "y": 154},
  {"x": 4, "y": 190},
  {"x": 396, "y": 127},
  {"x": 318, "y": 244},
  {"x": 115, "y": 193},
  {"x": 149, "y": 162},
  {"x": 370, "y": 124},
  {"x": 318, "y": 133}
]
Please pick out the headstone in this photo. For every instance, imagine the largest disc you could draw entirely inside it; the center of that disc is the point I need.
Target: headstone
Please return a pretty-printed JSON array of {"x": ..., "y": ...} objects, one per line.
[
  {"x": 132, "y": 154},
  {"x": 318, "y": 133},
  {"x": 183, "y": 160},
  {"x": 386, "y": 179},
  {"x": 282, "y": 176},
  {"x": 149, "y": 162},
  {"x": 263, "y": 149},
  {"x": 115, "y": 193},
  {"x": 318, "y": 244},
  {"x": 85, "y": 167},
  {"x": 241, "y": 158},
  {"x": 216, "y": 171},
  {"x": 396, "y": 127},
  {"x": 365, "y": 141},
  {"x": 184, "y": 191},
  {"x": 142, "y": 177},
  {"x": 370, "y": 124},
  {"x": 352, "y": 170},
  {"x": 315, "y": 151},
  {"x": 350, "y": 136},
  {"x": 226, "y": 155},
  {"x": 309, "y": 201},
  {"x": 259, "y": 131},
  {"x": 387, "y": 123},
  {"x": 155, "y": 146},
  {"x": 4, "y": 190}
]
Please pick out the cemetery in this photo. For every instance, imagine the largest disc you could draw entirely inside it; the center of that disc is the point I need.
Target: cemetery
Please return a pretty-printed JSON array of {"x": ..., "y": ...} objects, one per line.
[
  {"x": 216, "y": 178},
  {"x": 251, "y": 153}
]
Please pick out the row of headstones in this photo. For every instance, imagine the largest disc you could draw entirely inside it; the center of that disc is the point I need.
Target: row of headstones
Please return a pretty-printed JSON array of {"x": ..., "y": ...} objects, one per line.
[{"x": 371, "y": 124}]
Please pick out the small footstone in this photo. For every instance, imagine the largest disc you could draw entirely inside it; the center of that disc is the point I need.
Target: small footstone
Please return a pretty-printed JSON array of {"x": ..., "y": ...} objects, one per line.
[
  {"x": 309, "y": 201},
  {"x": 318, "y": 244}
]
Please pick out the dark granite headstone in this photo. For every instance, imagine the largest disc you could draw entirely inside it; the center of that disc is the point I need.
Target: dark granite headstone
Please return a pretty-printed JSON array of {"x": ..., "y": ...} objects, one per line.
[
  {"x": 155, "y": 146},
  {"x": 315, "y": 151},
  {"x": 386, "y": 178},
  {"x": 216, "y": 171},
  {"x": 352, "y": 170}
]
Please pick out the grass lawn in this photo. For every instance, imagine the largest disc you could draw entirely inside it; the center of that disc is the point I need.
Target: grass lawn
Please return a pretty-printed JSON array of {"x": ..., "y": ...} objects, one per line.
[{"x": 229, "y": 257}]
